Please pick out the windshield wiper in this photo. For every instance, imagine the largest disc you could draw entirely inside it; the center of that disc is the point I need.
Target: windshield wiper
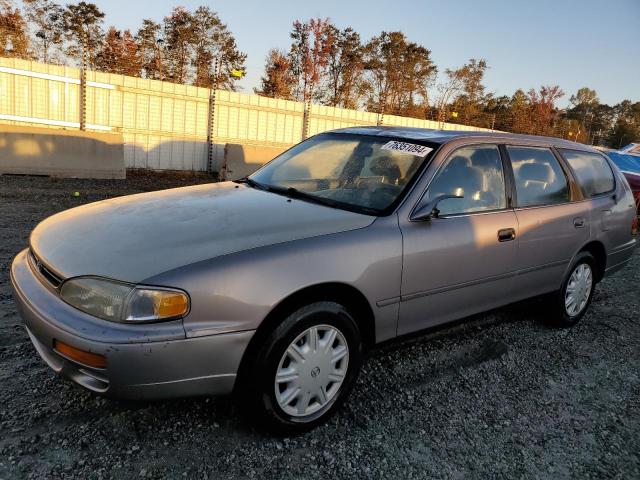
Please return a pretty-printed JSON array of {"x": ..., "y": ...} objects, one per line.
[
  {"x": 292, "y": 192},
  {"x": 251, "y": 183}
]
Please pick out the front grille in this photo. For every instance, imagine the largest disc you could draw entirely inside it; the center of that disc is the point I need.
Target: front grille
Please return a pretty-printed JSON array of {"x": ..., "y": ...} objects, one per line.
[{"x": 46, "y": 273}]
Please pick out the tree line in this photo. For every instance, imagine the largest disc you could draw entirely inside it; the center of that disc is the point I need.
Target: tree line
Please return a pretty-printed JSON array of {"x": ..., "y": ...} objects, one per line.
[
  {"x": 388, "y": 74},
  {"x": 183, "y": 48}
]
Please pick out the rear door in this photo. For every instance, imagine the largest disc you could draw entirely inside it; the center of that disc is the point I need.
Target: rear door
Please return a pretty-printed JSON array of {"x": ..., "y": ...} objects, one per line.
[
  {"x": 552, "y": 227},
  {"x": 459, "y": 263}
]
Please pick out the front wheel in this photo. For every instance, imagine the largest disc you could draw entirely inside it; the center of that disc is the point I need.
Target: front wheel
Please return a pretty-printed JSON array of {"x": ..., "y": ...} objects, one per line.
[
  {"x": 574, "y": 297},
  {"x": 306, "y": 368}
]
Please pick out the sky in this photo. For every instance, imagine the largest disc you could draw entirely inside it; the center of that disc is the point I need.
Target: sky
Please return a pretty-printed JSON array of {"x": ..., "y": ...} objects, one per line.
[{"x": 527, "y": 43}]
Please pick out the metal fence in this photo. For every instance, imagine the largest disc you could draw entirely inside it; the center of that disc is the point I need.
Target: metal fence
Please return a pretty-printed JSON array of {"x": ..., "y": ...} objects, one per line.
[{"x": 168, "y": 126}]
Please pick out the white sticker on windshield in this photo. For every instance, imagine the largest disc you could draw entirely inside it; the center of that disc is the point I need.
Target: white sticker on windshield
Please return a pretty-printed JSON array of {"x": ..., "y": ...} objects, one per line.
[{"x": 410, "y": 148}]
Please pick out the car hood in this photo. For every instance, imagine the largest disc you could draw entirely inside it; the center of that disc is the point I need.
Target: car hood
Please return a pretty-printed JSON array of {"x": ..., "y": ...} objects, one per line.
[{"x": 138, "y": 236}]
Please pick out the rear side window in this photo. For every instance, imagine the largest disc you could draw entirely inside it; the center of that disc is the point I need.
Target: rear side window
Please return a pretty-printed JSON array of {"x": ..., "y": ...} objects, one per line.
[
  {"x": 592, "y": 172},
  {"x": 539, "y": 177}
]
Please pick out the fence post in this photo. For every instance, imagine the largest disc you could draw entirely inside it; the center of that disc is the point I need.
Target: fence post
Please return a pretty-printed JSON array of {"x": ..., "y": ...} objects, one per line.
[
  {"x": 82, "y": 108},
  {"x": 212, "y": 116},
  {"x": 305, "y": 119},
  {"x": 210, "y": 144}
]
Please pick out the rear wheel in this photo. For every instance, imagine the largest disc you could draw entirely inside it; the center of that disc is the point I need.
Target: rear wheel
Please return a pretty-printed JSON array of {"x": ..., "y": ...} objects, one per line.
[
  {"x": 576, "y": 293},
  {"x": 306, "y": 368}
]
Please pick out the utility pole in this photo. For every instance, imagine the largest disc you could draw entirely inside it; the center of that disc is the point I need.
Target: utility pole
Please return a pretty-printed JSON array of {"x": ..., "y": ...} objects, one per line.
[
  {"x": 383, "y": 103},
  {"x": 159, "y": 57}
]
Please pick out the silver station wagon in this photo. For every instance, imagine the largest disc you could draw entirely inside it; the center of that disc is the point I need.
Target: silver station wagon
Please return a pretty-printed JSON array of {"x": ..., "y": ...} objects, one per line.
[{"x": 273, "y": 287}]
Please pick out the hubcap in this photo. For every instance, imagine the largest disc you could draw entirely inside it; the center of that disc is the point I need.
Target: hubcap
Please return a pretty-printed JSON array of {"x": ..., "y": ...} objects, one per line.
[
  {"x": 578, "y": 289},
  {"x": 311, "y": 370}
]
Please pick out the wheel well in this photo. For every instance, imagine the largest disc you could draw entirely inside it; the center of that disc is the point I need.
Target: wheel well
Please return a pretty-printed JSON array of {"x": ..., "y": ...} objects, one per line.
[
  {"x": 600, "y": 255},
  {"x": 350, "y": 297}
]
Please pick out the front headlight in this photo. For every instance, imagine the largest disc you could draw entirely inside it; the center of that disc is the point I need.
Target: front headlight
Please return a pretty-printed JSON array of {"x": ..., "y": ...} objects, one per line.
[{"x": 123, "y": 302}]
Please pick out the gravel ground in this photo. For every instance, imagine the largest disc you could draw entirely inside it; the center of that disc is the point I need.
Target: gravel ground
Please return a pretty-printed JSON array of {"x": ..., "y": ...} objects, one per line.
[{"x": 499, "y": 396}]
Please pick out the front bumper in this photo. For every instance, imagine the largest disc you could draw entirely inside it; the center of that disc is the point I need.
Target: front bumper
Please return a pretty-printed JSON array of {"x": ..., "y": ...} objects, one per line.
[{"x": 151, "y": 361}]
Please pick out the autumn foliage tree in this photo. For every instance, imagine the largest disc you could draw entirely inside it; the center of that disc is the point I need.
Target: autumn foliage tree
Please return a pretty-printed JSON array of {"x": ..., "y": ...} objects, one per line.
[
  {"x": 14, "y": 39},
  {"x": 119, "y": 54},
  {"x": 309, "y": 56},
  {"x": 543, "y": 108},
  {"x": 277, "y": 81}
]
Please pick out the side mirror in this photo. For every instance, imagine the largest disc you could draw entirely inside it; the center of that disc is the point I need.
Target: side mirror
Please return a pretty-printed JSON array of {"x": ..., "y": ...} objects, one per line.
[{"x": 430, "y": 209}]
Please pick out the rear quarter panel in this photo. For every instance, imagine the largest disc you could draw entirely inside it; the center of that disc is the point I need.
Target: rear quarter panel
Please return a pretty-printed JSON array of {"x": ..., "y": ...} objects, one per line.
[{"x": 612, "y": 216}]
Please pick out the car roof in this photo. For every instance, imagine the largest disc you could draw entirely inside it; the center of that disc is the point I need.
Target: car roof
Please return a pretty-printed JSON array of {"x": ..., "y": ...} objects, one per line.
[{"x": 444, "y": 136}]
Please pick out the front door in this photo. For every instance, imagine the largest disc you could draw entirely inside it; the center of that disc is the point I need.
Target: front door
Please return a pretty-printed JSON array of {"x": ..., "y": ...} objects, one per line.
[{"x": 460, "y": 263}]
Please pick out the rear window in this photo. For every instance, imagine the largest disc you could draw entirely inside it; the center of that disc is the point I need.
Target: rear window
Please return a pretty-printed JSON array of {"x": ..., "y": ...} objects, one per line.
[{"x": 592, "y": 171}]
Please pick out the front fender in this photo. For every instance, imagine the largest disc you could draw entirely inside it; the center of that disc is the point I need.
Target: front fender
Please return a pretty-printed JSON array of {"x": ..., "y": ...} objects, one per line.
[{"x": 236, "y": 292}]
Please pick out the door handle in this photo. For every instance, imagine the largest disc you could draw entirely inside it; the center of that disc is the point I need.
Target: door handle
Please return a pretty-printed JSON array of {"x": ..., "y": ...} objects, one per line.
[
  {"x": 578, "y": 222},
  {"x": 506, "y": 234}
]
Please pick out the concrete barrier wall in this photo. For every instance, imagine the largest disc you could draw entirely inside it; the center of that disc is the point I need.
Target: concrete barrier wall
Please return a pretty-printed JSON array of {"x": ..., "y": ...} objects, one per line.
[
  {"x": 242, "y": 160},
  {"x": 61, "y": 153}
]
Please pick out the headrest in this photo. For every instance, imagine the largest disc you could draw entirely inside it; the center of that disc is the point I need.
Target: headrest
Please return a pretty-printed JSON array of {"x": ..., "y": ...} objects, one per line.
[
  {"x": 540, "y": 172},
  {"x": 459, "y": 162},
  {"x": 386, "y": 166}
]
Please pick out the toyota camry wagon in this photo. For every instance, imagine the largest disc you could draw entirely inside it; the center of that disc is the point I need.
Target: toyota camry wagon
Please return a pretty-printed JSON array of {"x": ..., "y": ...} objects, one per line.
[{"x": 273, "y": 287}]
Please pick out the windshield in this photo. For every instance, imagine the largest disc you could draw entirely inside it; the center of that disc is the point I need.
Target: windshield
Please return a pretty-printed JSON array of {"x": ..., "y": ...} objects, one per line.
[{"x": 356, "y": 172}]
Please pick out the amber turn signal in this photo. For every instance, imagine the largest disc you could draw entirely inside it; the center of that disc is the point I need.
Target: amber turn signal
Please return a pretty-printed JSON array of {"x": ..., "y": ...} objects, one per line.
[
  {"x": 85, "y": 358},
  {"x": 172, "y": 304}
]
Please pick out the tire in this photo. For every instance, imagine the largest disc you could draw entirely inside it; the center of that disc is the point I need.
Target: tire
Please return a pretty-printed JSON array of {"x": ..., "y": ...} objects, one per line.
[
  {"x": 321, "y": 382},
  {"x": 581, "y": 280}
]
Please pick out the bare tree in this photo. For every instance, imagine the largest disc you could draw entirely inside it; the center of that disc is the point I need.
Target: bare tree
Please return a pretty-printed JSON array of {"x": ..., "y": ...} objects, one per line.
[
  {"x": 150, "y": 50},
  {"x": 46, "y": 18},
  {"x": 398, "y": 73},
  {"x": 345, "y": 67},
  {"x": 82, "y": 23},
  {"x": 212, "y": 42},
  {"x": 178, "y": 40}
]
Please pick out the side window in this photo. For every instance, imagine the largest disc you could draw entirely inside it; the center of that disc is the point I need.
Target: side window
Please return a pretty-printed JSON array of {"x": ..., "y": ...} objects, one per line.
[
  {"x": 539, "y": 177},
  {"x": 474, "y": 172},
  {"x": 592, "y": 172}
]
